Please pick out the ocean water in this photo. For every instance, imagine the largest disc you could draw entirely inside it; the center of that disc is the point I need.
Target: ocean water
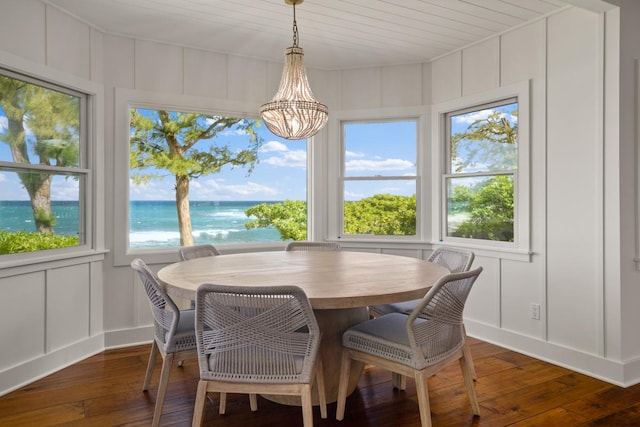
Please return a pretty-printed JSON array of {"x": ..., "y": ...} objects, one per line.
[
  {"x": 154, "y": 223},
  {"x": 17, "y": 216}
]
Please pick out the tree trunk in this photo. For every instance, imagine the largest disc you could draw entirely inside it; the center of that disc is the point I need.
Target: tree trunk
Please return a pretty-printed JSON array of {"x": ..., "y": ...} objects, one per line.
[
  {"x": 37, "y": 184},
  {"x": 184, "y": 214},
  {"x": 40, "y": 195}
]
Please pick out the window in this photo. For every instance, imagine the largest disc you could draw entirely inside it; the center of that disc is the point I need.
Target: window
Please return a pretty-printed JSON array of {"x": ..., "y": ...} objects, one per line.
[
  {"x": 483, "y": 180},
  {"x": 482, "y": 162},
  {"x": 43, "y": 165},
  {"x": 199, "y": 178},
  {"x": 379, "y": 177}
]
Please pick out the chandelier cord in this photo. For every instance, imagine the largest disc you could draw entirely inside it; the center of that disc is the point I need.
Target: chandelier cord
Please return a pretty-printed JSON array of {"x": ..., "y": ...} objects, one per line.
[{"x": 295, "y": 27}]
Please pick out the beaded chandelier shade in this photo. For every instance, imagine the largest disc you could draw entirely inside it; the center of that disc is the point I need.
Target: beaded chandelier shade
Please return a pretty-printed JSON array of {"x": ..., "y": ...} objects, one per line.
[{"x": 294, "y": 113}]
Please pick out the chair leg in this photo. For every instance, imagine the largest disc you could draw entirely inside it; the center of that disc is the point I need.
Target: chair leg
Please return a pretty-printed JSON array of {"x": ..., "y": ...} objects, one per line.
[
  {"x": 307, "y": 406},
  {"x": 150, "y": 365},
  {"x": 162, "y": 388},
  {"x": 398, "y": 381},
  {"x": 467, "y": 353},
  {"x": 198, "y": 409},
  {"x": 345, "y": 368},
  {"x": 253, "y": 402},
  {"x": 423, "y": 399},
  {"x": 322, "y": 395},
  {"x": 467, "y": 374},
  {"x": 223, "y": 403}
]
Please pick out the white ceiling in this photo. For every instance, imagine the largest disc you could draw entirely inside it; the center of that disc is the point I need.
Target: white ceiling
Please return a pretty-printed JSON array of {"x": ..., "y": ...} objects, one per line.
[{"x": 335, "y": 34}]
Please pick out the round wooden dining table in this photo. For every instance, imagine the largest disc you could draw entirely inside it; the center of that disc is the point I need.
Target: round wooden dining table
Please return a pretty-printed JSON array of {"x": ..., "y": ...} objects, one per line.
[{"x": 340, "y": 286}]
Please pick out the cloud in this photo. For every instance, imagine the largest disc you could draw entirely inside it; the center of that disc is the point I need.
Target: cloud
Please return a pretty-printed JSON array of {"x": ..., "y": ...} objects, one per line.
[
  {"x": 4, "y": 123},
  {"x": 273, "y": 146},
  {"x": 378, "y": 165},
  {"x": 469, "y": 118},
  {"x": 291, "y": 159},
  {"x": 153, "y": 190},
  {"x": 352, "y": 195},
  {"x": 348, "y": 153},
  {"x": 282, "y": 156},
  {"x": 391, "y": 190},
  {"x": 232, "y": 132},
  {"x": 213, "y": 190},
  {"x": 12, "y": 188},
  {"x": 65, "y": 189}
]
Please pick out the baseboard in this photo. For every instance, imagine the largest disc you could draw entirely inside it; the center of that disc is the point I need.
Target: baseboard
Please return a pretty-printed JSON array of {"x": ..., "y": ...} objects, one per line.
[
  {"x": 623, "y": 374},
  {"x": 31, "y": 370},
  {"x": 128, "y": 337}
]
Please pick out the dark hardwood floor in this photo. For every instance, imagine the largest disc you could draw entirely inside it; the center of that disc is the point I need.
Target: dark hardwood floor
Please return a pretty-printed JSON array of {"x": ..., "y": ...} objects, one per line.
[{"x": 513, "y": 390}]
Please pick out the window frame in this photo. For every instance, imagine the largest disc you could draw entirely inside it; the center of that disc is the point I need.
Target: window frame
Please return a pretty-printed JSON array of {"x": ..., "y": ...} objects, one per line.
[
  {"x": 88, "y": 172},
  {"x": 336, "y": 171},
  {"x": 132, "y": 98},
  {"x": 520, "y": 247}
]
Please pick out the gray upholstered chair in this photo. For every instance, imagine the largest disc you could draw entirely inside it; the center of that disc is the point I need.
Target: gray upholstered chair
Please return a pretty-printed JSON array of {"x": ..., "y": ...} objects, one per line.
[
  {"x": 174, "y": 336},
  {"x": 456, "y": 261},
  {"x": 418, "y": 345},
  {"x": 257, "y": 340},
  {"x": 312, "y": 246},
  {"x": 197, "y": 251}
]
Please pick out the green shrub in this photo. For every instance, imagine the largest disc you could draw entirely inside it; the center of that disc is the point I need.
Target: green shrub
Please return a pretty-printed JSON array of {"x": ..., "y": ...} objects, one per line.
[{"x": 22, "y": 241}]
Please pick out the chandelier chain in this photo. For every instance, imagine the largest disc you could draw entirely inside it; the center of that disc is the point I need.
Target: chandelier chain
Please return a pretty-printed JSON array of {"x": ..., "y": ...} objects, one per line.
[
  {"x": 294, "y": 113},
  {"x": 295, "y": 27}
]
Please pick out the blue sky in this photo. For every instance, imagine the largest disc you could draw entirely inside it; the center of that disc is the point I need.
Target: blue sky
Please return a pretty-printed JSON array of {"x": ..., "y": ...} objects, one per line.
[
  {"x": 461, "y": 122},
  {"x": 280, "y": 173},
  {"x": 382, "y": 149},
  {"x": 372, "y": 149}
]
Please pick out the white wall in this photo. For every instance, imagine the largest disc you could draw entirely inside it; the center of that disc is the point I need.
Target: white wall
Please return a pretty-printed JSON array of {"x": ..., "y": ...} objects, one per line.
[
  {"x": 581, "y": 269},
  {"x": 626, "y": 166},
  {"x": 578, "y": 217},
  {"x": 51, "y": 310}
]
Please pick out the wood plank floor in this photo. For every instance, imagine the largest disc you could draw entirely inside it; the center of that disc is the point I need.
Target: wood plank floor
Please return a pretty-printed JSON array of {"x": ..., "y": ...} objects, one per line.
[{"x": 513, "y": 390}]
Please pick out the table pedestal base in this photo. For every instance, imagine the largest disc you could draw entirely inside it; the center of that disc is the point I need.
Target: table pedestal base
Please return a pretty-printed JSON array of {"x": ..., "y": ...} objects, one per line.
[{"x": 332, "y": 323}]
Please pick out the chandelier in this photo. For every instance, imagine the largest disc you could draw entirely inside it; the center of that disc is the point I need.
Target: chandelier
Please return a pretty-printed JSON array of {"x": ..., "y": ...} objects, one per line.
[{"x": 294, "y": 113}]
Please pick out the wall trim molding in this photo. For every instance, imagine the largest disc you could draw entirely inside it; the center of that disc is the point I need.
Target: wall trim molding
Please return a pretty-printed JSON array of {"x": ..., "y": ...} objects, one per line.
[
  {"x": 128, "y": 337},
  {"x": 620, "y": 373},
  {"x": 46, "y": 364}
]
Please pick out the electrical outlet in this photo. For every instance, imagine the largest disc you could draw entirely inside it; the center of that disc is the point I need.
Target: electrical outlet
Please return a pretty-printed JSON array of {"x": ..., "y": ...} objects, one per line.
[{"x": 534, "y": 311}]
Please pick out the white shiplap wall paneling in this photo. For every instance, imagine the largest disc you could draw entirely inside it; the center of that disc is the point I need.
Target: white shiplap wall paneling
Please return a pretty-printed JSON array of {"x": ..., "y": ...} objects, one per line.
[
  {"x": 68, "y": 44},
  {"x": 158, "y": 67}
]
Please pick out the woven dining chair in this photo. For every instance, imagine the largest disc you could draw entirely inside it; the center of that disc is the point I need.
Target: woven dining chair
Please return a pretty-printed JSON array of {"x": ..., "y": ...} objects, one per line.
[
  {"x": 197, "y": 251},
  {"x": 456, "y": 261},
  {"x": 261, "y": 340},
  {"x": 312, "y": 246},
  {"x": 174, "y": 333},
  {"x": 418, "y": 345}
]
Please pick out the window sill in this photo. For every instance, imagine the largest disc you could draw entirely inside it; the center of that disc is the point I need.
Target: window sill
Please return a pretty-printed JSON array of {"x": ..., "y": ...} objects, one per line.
[
  {"x": 11, "y": 265},
  {"x": 501, "y": 252}
]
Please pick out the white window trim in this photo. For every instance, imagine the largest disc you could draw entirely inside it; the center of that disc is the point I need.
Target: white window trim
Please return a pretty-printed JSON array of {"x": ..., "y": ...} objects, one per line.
[
  {"x": 126, "y": 98},
  {"x": 94, "y": 155},
  {"x": 336, "y": 171},
  {"x": 519, "y": 249}
]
